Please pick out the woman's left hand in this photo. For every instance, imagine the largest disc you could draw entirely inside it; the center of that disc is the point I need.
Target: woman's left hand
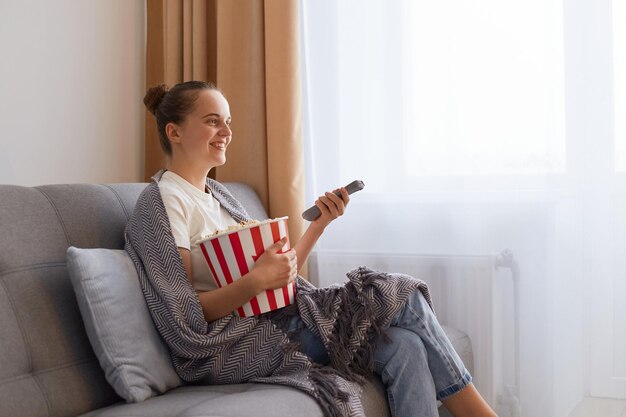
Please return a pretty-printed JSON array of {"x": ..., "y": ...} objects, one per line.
[{"x": 331, "y": 207}]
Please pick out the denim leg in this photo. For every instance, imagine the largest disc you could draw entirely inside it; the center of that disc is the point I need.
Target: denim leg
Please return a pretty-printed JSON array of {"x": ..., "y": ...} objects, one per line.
[
  {"x": 311, "y": 345},
  {"x": 418, "y": 366},
  {"x": 403, "y": 367},
  {"x": 433, "y": 362}
]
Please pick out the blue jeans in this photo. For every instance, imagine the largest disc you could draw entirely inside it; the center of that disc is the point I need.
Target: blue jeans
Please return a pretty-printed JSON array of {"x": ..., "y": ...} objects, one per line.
[{"x": 418, "y": 366}]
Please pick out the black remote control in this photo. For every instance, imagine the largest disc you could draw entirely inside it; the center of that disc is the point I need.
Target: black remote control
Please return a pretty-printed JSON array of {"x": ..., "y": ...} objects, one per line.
[{"x": 314, "y": 212}]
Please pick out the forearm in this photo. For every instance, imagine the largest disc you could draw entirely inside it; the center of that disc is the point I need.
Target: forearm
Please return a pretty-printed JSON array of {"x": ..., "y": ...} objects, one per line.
[
  {"x": 222, "y": 301},
  {"x": 305, "y": 245}
]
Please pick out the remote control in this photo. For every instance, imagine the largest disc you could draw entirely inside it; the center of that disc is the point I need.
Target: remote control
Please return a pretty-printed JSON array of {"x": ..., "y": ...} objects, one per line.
[{"x": 314, "y": 212}]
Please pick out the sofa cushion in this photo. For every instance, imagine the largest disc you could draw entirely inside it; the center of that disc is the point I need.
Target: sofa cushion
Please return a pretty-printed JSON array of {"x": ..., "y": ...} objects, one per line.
[
  {"x": 236, "y": 400},
  {"x": 130, "y": 351}
]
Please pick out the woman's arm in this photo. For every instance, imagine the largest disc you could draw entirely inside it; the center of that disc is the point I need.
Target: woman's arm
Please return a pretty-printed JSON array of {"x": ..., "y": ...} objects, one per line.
[
  {"x": 307, "y": 241},
  {"x": 331, "y": 207},
  {"x": 272, "y": 270}
]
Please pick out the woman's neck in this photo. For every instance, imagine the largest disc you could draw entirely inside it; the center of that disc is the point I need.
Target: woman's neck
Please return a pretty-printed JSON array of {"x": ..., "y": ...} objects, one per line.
[{"x": 196, "y": 177}]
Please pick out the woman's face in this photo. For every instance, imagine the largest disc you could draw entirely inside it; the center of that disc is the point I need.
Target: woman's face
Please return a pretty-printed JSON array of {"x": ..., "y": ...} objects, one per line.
[{"x": 203, "y": 137}]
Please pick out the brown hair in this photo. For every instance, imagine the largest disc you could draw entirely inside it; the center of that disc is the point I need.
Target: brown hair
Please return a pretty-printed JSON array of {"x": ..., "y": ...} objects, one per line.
[{"x": 172, "y": 105}]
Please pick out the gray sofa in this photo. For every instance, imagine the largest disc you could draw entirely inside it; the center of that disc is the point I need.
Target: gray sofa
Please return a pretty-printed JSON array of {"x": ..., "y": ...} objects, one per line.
[{"x": 47, "y": 365}]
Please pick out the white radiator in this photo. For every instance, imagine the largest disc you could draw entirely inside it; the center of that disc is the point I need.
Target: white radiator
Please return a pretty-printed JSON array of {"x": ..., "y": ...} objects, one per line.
[{"x": 474, "y": 294}]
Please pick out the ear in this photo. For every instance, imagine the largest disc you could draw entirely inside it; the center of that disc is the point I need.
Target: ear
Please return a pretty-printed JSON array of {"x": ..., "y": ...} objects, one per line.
[{"x": 172, "y": 132}]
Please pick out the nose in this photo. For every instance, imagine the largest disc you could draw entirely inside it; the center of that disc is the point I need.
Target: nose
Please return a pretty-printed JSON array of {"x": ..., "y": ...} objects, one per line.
[{"x": 226, "y": 130}]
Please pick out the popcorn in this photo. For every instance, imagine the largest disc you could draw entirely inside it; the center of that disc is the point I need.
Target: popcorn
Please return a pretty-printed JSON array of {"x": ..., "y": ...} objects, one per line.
[{"x": 240, "y": 225}]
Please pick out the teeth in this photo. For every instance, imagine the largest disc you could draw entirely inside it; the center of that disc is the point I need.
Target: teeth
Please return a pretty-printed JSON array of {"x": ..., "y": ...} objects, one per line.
[{"x": 218, "y": 145}]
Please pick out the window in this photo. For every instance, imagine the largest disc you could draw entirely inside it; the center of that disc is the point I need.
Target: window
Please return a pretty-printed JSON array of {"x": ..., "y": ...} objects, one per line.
[
  {"x": 476, "y": 88},
  {"x": 484, "y": 94},
  {"x": 619, "y": 83}
]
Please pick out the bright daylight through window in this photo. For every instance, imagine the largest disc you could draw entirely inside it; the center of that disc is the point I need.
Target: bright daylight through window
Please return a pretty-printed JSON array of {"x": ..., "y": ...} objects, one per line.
[
  {"x": 475, "y": 88},
  {"x": 619, "y": 82}
]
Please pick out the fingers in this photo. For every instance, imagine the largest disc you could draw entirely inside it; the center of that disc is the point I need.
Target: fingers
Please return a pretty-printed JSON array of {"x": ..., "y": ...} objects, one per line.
[
  {"x": 323, "y": 208},
  {"x": 294, "y": 270},
  {"x": 327, "y": 208},
  {"x": 279, "y": 244},
  {"x": 344, "y": 195},
  {"x": 291, "y": 255},
  {"x": 292, "y": 266},
  {"x": 289, "y": 259},
  {"x": 339, "y": 204},
  {"x": 343, "y": 198},
  {"x": 334, "y": 205}
]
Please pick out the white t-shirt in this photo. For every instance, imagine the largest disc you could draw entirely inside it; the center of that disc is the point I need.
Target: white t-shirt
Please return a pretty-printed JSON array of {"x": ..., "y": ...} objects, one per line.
[{"x": 193, "y": 214}]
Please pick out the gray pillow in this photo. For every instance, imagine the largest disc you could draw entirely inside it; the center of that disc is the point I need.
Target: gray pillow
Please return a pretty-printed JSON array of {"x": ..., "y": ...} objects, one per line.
[{"x": 133, "y": 356}]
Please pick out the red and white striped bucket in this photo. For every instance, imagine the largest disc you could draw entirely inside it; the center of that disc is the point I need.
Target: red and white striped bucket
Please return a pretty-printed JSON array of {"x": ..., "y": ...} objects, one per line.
[{"x": 232, "y": 254}]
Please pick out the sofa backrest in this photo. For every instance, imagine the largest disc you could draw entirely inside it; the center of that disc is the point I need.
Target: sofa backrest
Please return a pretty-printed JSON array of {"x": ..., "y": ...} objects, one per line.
[{"x": 47, "y": 366}]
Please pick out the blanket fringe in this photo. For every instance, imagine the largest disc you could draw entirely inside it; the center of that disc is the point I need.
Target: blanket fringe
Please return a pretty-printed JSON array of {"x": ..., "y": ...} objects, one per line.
[
  {"x": 329, "y": 396},
  {"x": 355, "y": 363}
]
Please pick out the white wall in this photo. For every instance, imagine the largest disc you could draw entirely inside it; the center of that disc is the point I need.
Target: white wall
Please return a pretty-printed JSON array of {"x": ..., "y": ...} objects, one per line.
[{"x": 71, "y": 88}]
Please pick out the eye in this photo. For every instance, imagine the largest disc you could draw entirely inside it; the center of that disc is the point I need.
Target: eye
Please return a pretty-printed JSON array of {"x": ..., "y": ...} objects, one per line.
[
  {"x": 229, "y": 122},
  {"x": 213, "y": 122}
]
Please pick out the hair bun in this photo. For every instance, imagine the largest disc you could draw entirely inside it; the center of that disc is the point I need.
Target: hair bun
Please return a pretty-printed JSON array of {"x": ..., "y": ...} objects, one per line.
[{"x": 154, "y": 96}]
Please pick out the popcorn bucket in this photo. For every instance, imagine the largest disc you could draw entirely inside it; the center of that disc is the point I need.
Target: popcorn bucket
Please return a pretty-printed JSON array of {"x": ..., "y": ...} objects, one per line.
[{"x": 231, "y": 254}]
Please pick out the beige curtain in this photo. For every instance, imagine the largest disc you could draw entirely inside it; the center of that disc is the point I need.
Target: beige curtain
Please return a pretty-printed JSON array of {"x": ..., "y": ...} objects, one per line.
[{"x": 250, "y": 49}]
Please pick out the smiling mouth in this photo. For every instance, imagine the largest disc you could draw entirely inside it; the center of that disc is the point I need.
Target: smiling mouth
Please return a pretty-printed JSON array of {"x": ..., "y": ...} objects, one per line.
[{"x": 220, "y": 146}]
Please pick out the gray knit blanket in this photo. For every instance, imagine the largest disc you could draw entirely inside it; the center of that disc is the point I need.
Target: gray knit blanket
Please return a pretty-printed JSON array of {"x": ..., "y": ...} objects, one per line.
[{"x": 347, "y": 318}]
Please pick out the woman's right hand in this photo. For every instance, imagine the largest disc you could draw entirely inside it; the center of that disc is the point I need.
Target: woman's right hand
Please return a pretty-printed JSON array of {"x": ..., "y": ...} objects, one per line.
[
  {"x": 271, "y": 271},
  {"x": 275, "y": 270}
]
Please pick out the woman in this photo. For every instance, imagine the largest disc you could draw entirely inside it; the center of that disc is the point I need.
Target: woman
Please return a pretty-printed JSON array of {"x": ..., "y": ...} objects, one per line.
[{"x": 329, "y": 339}]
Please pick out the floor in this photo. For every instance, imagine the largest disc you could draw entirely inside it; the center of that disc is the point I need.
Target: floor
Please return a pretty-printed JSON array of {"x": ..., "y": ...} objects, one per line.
[
  {"x": 600, "y": 407},
  {"x": 588, "y": 407}
]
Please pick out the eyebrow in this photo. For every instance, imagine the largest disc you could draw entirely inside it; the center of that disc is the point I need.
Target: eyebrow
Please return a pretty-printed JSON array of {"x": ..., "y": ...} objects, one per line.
[{"x": 212, "y": 114}]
